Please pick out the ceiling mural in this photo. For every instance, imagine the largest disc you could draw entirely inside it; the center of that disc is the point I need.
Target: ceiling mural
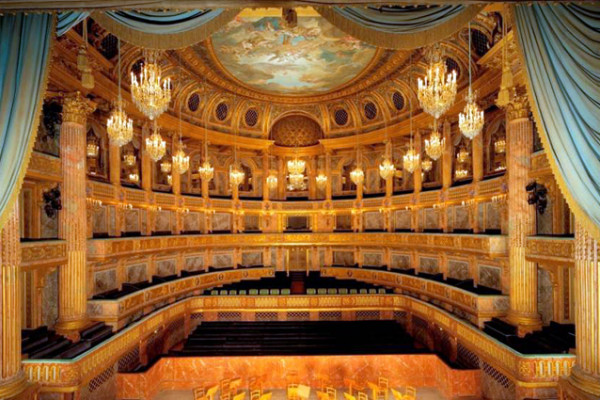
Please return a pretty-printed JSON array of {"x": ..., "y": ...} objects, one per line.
[{"x": 311, "y": 56}]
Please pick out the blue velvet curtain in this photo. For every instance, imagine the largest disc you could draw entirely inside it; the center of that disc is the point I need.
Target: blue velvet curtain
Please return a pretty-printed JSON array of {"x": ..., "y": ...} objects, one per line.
[
  {"x": 400, "y": 27},
  {"x": 68, "y": 19},
  {"x": 163, "y": 29},
  {"x": 25, "y": 44},
  {"x": 560, "y": 45}
]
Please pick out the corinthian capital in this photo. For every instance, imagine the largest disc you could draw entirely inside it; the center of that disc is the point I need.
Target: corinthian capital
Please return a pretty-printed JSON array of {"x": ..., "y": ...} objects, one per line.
[
  {"x": 76, "y": 108},
  {"x": 518, "y": 107}
]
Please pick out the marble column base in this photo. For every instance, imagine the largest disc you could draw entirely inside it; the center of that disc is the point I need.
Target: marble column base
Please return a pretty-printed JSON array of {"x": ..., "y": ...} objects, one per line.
[{"x": 579, "y": 386}]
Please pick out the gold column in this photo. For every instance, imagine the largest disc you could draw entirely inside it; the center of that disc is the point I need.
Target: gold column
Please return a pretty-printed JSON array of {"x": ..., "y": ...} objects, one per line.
[
  {"x": 281, "y": 168},
  {"x": 73, "y": 219},
  {"x": 478, "y": 158},
  {"x": 114, "y": 154},
  {"x": 328, "y": 191},
  {"x": 585, "y": 375},
  {"x": 312, "y": 175},
  {"x": 417, "y": 177},
  {"x": 266, "y": 172},
  {"x": 12, "y": 378},
  {"x": 147, "y": 163},
  {"x": 521, "y": 218},
  {"x": 389, "y": 183},
  {"x": 447, "y": 156}
]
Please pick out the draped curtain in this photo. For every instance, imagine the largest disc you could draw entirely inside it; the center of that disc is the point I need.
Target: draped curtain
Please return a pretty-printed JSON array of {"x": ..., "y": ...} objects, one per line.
[
  {"x": 399, "y": 27},
  {"x": 560, "y": 47},
  {"x": 25, "y": 45}
]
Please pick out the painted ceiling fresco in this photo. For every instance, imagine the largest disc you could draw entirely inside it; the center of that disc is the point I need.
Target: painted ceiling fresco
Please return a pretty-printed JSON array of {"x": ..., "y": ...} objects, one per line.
[{"x": 312, "y": 57}]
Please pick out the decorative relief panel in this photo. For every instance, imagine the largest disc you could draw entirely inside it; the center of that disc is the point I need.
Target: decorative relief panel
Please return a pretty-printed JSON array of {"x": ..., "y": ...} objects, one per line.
[
  {"x": 163, "y": 221},
  {"x": 105, "y": 280},
  {"x": 373, "y": 259},
  {"x": 222, "y": 261},
  {"x": 252, "y": 259},
  {"x": 137, "y": 273},
  {"x": 166, "y": 267},
  {"x": 50, "y": 299},
  {"x": 490, "y": 276},
  {"x": 402, "y": 220},
  {"x": 343, "y": 258},
  {"x": 373, "y": 221},
  {"x": 191, "y": 222},
  {"x": 458, "y": 269},
  {"x": 221, "y": 222},
  {"x": 132, "y": 221},
  {"x": 194, "y": 263},
  {"x": 400, "y": 261},
  {"x": 429, "y": 265}
]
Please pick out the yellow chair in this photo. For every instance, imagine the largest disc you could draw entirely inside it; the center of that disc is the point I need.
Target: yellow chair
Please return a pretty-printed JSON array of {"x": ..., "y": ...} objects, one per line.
[
  {"x": 362, "y": 396},
  {"x": 410, "y": 393},
  {"x": 255, "y": 394},
  {"x": 303, "y": 392},
  {"x": 322, "y": 395},
  {"x": 240, "y": 396},
  {"x": 199, "y": 393},
  {"x": 353, "y": 384},
  {"x": 266, "y": 396},
  {"x": 331, "y": 393},
  {"x": 397, "y": 395},
  {"x": 348, "y": 396},
  {"x": 292, "y": 391},
  {"x": 211, "y": 392}
]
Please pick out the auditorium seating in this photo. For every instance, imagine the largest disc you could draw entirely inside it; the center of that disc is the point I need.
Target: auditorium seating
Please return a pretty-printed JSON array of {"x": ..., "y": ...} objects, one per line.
[
  {"x": 42, "y": 343},
  {"x": 297, "y": 338},
  {"x": 552, "y": 339}
]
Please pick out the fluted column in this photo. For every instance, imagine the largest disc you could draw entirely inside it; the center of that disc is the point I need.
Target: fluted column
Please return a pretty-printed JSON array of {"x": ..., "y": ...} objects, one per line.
[
  {"x": 328, "y": 191},
  {"x": 585, "y": 375},
  {"x": 447, "y": 156},
  {"x": 266, "y": 173},
  {"x": 478, "y": 158},
  {"x": 12, "y": 379},
  {"x": 521, "y": 218},
  {"x": 312, "y": 176},
  {"x": 417, "y": 177},
  {"x": 73, "y": 275}
]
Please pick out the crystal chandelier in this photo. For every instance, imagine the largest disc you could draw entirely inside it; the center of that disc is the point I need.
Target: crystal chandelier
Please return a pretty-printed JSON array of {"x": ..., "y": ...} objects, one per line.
[
  {"x": 500, "y": 146},
  {"x": 296, "y": 181},
  {"x": 471, "y": 120},
  {"x": 411, "y": 160},
  {"x": 119, "y": 126},
  {"x": 386, "y": 169},
  {"x": 129, "y": 159},
  {"x": 463, "y": 155},
  {"x": 155, "y": 145},
  {"x": 357, "y": 175},
  {"x": 434, "y": 146},
  {"x": 296, "y": 166},
  {"x": 181, "y": 162},
  {"x": 134, "y": 177},
  {"x": 92, "y": 149},
  {"x": 151, "y": 93},
  {"x": 170, "y": 179},
  {"x": 236, "y": 175},
  {"x": 461, "y": 172},
  {"x": 321, "y": 180},
  {"x": 272, "y": 181},
  {"x": 166, "y": 166},
  {"x": 206, "y": 171},
  {"x": 437, "y": 90},
  {"x": 427, "y": 164},
  {"x": 500, "y": 167}
]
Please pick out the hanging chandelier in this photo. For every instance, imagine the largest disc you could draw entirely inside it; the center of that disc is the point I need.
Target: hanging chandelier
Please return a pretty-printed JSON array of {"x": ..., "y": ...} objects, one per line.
[
  {"x": 296, "y": 166},
  {"x": 321, "y": 180},
  {"x": 119, "y": 126},
  {"x": 92, "y": 149},
  {"x": 463, "y": 155},
  {"x": 236, "y": 175},
  {"x": 155, "y": 145},
  {"x": 150, "y": 91},
  {"x": 170, "y": 180},
  {"x": 411, "y": 160},
  {"x": 471, "y": 120},
  {"x": 427, "y": 164},
  {"x": 206, "y": 171},
  {"x": 386, "y": 169},
  {"x": 500, "y": 146},
  {"x": 357, "y": 175},
  {"x": 461, "y": 172},
  {"x": 181, "y": 161},
  {"x": 129, "y": 159},
  {"x": 272, "y": 181},
  {"x": 134, "y": 177},
  {"x": 296, "y": 181},
  {"x": 437, "y": 90},
  {"x": 434, "y": 146},
  {"x": 166, "y": 166}
]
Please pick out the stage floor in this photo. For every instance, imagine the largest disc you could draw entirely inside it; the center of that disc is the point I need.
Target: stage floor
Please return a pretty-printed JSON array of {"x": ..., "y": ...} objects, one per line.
[{"x": 279, "y": 394}]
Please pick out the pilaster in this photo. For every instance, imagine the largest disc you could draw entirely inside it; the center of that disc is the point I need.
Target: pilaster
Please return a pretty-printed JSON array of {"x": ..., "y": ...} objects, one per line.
[{"x": 73, "y": 217}]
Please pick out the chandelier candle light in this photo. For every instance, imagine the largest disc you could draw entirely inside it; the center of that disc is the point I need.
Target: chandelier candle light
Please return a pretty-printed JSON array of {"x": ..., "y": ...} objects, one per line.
[
  {"x": 426, "y": 164},
  {"x": 156, "y": 146},
  {"x": 437, "y": 90},
  {"x": 151, "y": 93},
  {"x": 357, "y": 175},
  {"x": 119, "y": 126},
  {"x": 434, "y": 146},
  {"x": 321, "y": 180},
  {"x": 471, "y": 120},
  {"x": 236, "y": 175}
]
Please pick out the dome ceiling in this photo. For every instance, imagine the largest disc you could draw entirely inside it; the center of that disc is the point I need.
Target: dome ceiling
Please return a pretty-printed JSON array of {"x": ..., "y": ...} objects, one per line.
[{"x": 303, "y": 57}]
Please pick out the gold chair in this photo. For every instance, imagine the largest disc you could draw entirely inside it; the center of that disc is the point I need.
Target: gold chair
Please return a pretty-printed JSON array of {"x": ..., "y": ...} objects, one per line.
[
  {"x": 199, "y": 393},
  {"x": 211, "y": 392},
  {"x": 331, "y": 393},
  {"x": 240, "y": 396},
  {"x": 352, "y": 385},
  {"x": 292, "y": 391},
  {"x": 348, "y": 396},
  {"x": 397, "y": 395},
  {"x": 362, "y": 396},
  {"x": 410, "y": 393},
  {"x": 266, "y": 396},
  {"x": 255, "y": 394},
  {"x": 321, "y": 395},
  {"x": 303, "y": 392}
]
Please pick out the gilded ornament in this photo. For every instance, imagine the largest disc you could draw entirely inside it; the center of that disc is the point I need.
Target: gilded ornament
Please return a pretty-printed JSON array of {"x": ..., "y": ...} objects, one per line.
[{"x": 76, "y": 108}]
